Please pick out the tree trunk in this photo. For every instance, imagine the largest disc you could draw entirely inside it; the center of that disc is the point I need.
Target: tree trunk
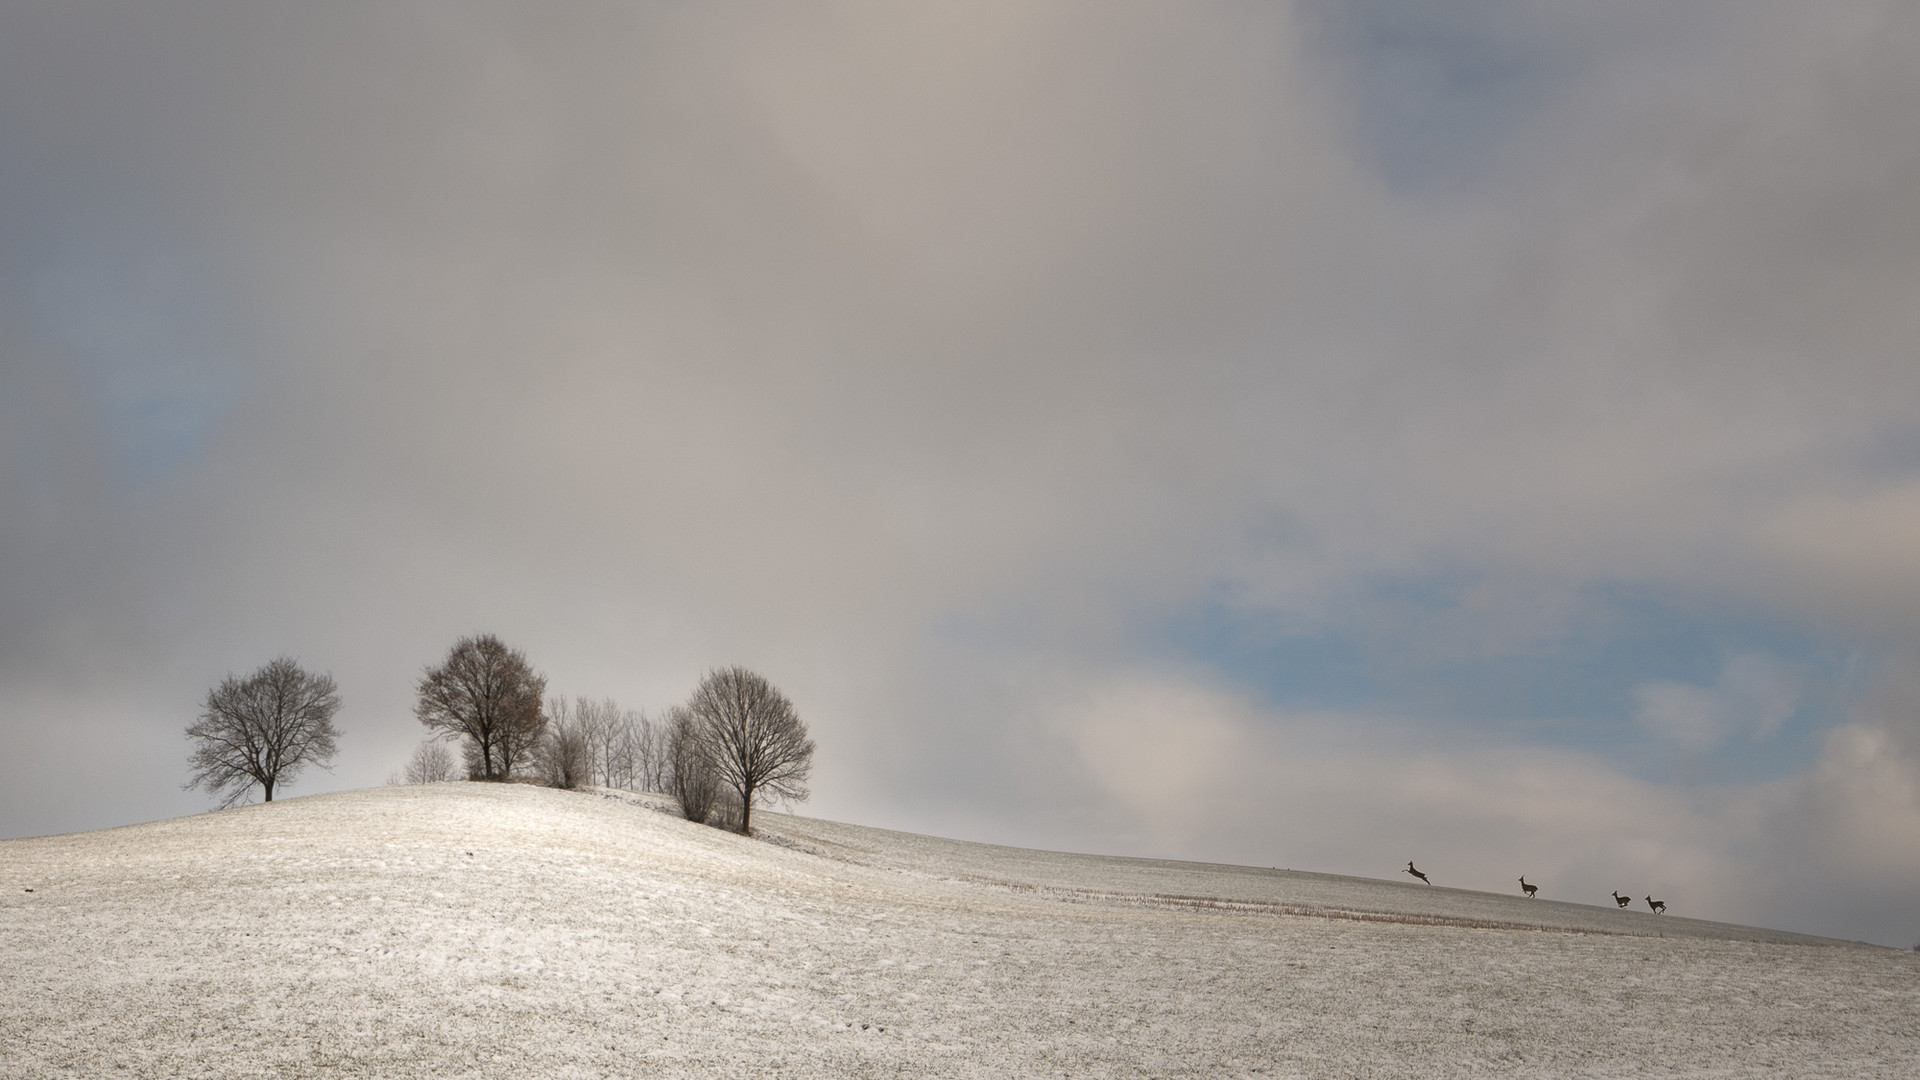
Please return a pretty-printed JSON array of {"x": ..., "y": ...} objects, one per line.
[
  {"x": 746, "y": 811},
  {"x": 268, "y": 784}
]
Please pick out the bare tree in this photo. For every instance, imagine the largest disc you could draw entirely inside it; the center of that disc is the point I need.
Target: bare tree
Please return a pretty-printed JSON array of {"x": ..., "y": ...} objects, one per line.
[
  {"x": 607, "y": 728},
  {"x": 648, "y": 739},
  {"x": 262, "y": 730},
  {"x": 690, "y": 777},
  {"x": 620, "y": 754},
  {"x": 752, "y": 737},
  {"x": 431, "y": 763},
  {"x": 489, "y": 695},
  {"x": 564, "y": 753}
]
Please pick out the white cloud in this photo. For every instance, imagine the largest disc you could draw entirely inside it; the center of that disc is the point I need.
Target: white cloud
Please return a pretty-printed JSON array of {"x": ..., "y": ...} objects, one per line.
[
  {"x": 1160, "y": 748},
  {"x": 1753, "y": 696}
]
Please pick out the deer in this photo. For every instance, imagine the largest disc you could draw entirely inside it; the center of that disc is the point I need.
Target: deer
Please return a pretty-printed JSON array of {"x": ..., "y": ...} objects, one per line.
[
  {"x": 1623, "y": 901},
  {"x": 1415, "y": 873},
  {"x": 1526, "y": 888},
  {"x": 1657, "y": 906}
]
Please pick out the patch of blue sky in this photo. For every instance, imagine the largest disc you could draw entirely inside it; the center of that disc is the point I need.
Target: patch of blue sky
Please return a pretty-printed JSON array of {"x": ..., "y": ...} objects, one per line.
[
  {"x": 1890, "y": 455},
  {"x": 1578, "y": 687},
  {"x": 155, "y": 436},
  {"x": 1434, "y": 90},
  {"x": 132, "y": 329},
  {"x": 1268, "y": 652}
]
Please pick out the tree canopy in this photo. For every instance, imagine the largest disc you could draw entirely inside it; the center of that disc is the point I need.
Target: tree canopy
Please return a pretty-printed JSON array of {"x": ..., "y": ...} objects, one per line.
[
  {"x": 488, "y": 695},
  {"x": 263, "y": 730}
]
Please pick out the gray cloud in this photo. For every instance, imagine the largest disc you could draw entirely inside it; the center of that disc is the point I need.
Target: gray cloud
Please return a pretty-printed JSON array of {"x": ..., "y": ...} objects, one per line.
[{"x": 925, "y": 357}]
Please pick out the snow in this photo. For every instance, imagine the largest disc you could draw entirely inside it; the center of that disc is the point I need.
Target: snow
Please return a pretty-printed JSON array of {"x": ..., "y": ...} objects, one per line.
[{"x": 470, "y": 930}]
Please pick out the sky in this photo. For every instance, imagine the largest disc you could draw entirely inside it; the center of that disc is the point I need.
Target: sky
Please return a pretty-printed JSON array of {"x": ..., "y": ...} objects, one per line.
[{"x": 1315, "y": 435}]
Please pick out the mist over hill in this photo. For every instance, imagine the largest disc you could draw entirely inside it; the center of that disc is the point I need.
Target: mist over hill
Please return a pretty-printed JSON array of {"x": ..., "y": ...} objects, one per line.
[{"x": 479, "y": 930}]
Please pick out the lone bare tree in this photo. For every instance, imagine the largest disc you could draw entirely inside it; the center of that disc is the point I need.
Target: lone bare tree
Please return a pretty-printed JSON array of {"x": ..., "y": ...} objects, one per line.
[
  {"x": 752, "y": 737},
  {"x": 431, "y": 763},
  {"x": 489, "y": 695},
  {"x": 262, "y": 730}
]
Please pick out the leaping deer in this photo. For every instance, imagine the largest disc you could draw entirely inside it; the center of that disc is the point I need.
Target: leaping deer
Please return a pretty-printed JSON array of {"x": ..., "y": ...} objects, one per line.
[
  {"x": 1526, "y": 888},
  {"x": 1659, "y": 906},
  {"x": 1415, "y": 873},
  {"x": 1623, "y": 901}
]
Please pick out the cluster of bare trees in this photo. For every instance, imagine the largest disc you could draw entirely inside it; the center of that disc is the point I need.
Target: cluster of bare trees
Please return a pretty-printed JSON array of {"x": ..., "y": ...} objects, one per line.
[
  {"x": 487, "y": 697},
  {"x": 737, "y": 741},
  {"x": 601, "y": 744}
]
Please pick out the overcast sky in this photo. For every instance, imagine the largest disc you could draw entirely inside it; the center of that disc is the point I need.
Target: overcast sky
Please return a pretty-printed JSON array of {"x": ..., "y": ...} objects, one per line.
[{"x": 1316, "y": 435}]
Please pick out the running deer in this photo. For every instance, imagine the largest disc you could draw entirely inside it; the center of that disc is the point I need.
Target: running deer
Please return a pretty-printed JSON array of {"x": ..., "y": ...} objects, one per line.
[
  {"x": 1623, "y": 901},
  {"x": 1659, "y": 906},
  {"x": 1526, "y": 888},
  {"x": 1415, "y": 873}
]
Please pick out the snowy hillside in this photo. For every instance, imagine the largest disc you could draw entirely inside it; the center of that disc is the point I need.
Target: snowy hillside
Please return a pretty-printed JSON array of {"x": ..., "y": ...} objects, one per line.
[{"x": 494, "y": 931}]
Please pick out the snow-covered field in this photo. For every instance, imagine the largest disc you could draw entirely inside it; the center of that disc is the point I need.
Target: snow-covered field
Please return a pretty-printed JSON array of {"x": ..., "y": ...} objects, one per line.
[{"x": 483, "y": 930}]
